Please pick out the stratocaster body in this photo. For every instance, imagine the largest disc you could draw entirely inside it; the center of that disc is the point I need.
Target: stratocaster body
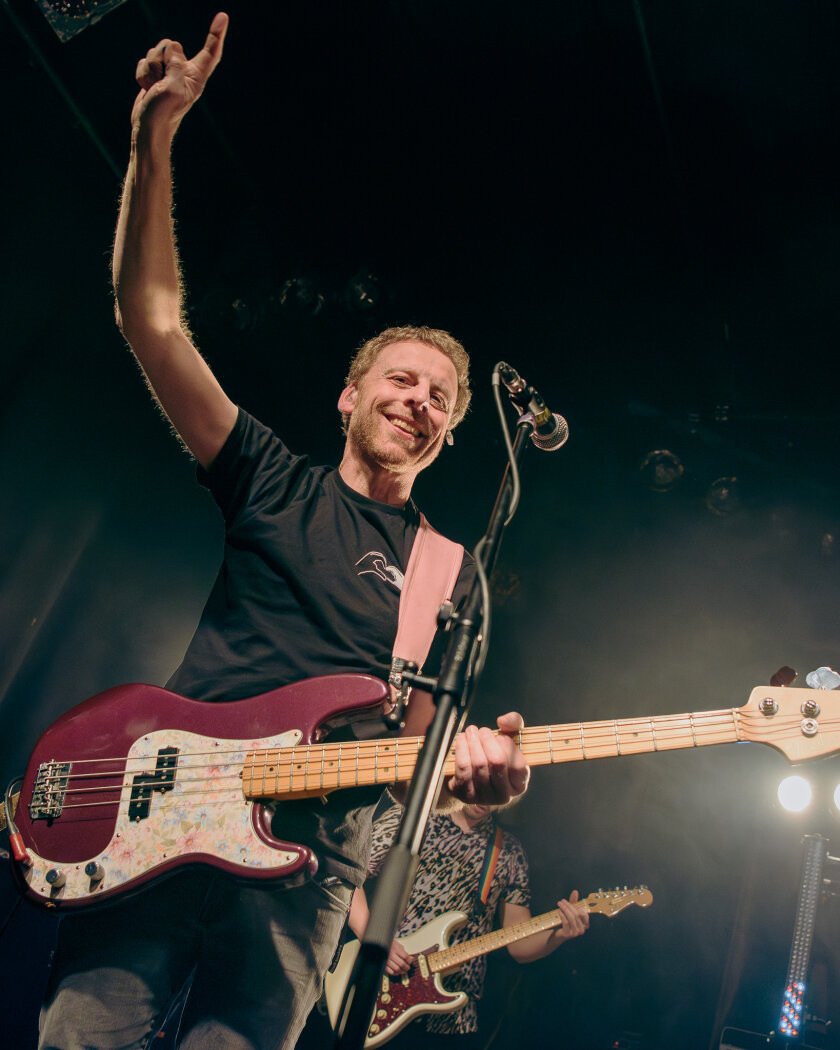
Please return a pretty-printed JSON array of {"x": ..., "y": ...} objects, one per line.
[
  {"x": 138, "y": 781},
  {"x": 402, "y": 998},
  {"x": 419, "y": 990}
]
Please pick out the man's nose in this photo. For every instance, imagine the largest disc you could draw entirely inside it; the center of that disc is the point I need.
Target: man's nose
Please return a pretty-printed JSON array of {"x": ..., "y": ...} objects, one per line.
[{"x": 419, "y": 396}]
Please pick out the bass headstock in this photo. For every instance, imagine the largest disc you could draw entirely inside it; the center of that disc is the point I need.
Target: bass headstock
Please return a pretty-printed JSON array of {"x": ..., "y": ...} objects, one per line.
[{"x": 801, "y": 723}]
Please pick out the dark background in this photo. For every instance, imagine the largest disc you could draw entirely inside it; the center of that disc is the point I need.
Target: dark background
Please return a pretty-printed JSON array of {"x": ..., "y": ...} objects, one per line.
[{"x": 636, "y": 204}]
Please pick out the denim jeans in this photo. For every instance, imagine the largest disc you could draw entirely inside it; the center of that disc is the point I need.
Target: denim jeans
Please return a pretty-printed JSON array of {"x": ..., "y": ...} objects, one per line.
[{"x": 257, "y": 954}]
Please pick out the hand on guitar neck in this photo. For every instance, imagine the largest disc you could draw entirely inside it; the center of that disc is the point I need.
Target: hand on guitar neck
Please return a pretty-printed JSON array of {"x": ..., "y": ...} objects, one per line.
[
  {"x": 487, "y": 767},
  {"x": 574, "y": 921}
]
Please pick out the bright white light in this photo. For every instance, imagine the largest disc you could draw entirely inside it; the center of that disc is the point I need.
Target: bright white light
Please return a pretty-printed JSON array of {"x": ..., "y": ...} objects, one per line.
[
  {"x": 795, "y": 794},
  {"x": 837, "y": 796}
]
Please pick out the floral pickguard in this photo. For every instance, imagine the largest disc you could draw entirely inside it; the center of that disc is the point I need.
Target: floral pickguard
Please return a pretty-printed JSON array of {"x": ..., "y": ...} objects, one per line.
[{"x": 188, "y": 819}]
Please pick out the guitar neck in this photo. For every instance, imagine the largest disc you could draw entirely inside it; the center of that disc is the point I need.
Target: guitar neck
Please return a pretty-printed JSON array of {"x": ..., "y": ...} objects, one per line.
[
  {"x": 547, "y": 745},
  {"x": 456, "y": 955},
  {"x": 316, "y": 769}
]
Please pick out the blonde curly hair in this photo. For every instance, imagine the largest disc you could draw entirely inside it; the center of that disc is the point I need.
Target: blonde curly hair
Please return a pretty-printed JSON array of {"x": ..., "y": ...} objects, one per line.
[{"x": 447, "y": 344}]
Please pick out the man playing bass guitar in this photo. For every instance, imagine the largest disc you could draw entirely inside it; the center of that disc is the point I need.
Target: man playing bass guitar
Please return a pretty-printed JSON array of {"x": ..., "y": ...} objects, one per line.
[{"x": 293, "y": 599}]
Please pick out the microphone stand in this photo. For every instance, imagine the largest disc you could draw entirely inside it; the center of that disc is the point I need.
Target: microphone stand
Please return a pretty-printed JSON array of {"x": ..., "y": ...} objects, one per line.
[{"x": 452, "y": 694}]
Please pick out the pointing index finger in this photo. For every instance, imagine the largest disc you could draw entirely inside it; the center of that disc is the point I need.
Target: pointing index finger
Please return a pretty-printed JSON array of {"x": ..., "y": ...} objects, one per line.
[{"x": 208, "y": 57}]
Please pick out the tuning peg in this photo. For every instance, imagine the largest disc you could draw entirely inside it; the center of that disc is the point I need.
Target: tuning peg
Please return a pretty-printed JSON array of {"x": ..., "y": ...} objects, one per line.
[{"x": 784, "y": 676}]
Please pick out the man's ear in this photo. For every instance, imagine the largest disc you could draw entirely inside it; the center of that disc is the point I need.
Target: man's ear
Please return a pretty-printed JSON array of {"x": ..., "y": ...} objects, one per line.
[{"x": 347, "y": 400}]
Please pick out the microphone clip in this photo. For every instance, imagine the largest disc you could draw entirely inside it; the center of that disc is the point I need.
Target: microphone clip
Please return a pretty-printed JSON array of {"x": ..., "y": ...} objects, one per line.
[
  {"x": 398, "y": 680},
  {"x": 402, "y": 677},
  {"x": 519, "y": 392}
]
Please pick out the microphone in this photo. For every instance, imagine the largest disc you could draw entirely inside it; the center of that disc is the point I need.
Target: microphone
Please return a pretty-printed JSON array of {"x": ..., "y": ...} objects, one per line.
[{"x": 551, "y": 431}]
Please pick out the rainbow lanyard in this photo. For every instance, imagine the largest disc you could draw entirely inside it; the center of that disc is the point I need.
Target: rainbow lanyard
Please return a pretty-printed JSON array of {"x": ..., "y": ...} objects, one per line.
[{"x": 491, "y": 859}]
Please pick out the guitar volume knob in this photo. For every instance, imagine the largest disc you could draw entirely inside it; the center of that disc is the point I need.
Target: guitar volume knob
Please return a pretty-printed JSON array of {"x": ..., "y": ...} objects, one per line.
[
  {"x": 55, "y": 878},
  {"x": 94, "y": 871}
]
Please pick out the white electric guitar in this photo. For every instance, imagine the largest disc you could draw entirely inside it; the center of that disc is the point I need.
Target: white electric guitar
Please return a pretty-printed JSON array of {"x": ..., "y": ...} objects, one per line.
[{"x": 419, "y": 991}]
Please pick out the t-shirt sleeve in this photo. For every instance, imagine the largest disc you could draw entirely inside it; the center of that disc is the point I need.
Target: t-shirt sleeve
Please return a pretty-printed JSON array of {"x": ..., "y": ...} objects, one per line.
[
  {"x": 518, "y": 888},
  {"x": 253, "y": 472},
  {"x": 382, "y": 837}
]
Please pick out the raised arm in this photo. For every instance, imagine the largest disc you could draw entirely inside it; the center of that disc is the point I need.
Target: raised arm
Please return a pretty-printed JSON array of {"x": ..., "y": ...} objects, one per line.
[{"x": 146, "y": 274}]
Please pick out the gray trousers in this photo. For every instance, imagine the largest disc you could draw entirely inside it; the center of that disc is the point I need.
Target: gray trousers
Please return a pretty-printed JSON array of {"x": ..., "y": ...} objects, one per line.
[{"x": 258, "y": 955}]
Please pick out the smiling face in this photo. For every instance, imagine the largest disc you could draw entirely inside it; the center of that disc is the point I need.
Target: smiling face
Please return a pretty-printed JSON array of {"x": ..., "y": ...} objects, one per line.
[{"x": 400, "y": 409}]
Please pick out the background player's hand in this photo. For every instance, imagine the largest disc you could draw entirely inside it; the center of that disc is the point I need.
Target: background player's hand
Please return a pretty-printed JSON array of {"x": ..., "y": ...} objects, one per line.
[
  {"x": 399, "y": 961},
  {"x": 575, "y": 920}
]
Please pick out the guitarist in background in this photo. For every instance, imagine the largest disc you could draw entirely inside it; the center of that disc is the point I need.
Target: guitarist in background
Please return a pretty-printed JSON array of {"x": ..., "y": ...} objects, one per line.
[
  {"x": 467, "y": 864},
  {"x": 294, "y": 598}
]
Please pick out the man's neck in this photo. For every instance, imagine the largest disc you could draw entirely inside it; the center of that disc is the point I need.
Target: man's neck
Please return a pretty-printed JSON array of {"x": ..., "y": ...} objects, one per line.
[{"x": 376, "y": 482}]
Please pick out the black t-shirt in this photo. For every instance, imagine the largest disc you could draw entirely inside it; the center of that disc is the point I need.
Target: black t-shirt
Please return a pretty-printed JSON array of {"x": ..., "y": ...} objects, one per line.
[{"x": 309, "y": 585}]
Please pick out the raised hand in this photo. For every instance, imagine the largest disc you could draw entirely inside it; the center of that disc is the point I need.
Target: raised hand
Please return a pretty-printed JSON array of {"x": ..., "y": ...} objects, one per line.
[{"x": 170, "y": 82}]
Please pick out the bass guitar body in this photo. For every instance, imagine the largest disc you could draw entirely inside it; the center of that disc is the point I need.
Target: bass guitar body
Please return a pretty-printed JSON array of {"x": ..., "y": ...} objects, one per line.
[{"x": 136, "y": 782}]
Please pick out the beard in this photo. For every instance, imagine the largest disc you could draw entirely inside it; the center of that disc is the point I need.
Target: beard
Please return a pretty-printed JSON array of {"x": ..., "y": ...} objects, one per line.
[{"x": 365, "y": 431}]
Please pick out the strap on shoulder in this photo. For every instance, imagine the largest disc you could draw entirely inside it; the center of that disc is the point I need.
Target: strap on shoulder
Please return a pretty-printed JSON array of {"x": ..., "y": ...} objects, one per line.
[{"x": 430, "y": 578}]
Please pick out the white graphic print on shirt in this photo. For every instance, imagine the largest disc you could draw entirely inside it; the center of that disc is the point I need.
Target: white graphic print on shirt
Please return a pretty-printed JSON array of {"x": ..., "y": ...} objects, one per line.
[{"x": 376, "y": 563}]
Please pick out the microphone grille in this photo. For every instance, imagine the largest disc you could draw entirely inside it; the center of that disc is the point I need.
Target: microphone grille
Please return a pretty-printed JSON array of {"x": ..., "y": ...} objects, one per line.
[{"x": 558, "y": 436}]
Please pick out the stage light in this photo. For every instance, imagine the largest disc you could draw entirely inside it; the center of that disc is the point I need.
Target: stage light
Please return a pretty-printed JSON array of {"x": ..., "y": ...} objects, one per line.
[
  {"x": 723, "y": 497},
  {"x": 837, "y": 798},
  {"x": 660, "y": 470},
  {"x": 226, "y": 313},
  {"x": 790, "y": 1022},
  {"x": 363, "y": 292},
  {"x": 300, "y": 296},
  {"x": 795, "y": 794}
]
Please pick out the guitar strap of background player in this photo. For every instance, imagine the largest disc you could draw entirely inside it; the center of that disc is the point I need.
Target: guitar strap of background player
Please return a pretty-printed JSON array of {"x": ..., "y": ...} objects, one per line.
[
  {"x": 491, "y": 859},
  {"x": 430, "y": 578}
]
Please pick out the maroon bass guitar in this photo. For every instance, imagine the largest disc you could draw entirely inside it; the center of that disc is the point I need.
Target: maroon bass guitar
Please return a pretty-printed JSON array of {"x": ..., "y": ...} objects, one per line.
[{"x": 136, "y": 782}]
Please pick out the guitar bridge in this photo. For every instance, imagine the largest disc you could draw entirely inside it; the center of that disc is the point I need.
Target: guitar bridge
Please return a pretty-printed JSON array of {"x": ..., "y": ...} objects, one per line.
[{"x": 49, "y": 790}]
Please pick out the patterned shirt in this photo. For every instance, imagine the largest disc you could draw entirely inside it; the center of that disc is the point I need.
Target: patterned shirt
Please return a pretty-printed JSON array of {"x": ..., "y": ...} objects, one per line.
[{"x": 451, "y": 864}]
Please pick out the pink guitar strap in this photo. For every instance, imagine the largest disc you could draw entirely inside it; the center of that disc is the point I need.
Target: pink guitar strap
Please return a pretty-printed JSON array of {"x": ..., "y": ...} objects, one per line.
[{"x": 430, "y": 578}]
